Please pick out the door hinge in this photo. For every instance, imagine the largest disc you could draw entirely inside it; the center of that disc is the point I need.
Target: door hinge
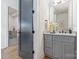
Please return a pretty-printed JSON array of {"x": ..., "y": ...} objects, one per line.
[
  {"x": 33, "y": 11},
  {"x": 33, "y": 51},
  {"x": 33, "y": 31}
]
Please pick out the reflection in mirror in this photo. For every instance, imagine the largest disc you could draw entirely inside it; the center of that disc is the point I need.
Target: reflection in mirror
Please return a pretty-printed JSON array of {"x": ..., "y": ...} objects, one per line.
[
  {"x": 13, "y": 25},
  {"x": 60, "y": 13}
]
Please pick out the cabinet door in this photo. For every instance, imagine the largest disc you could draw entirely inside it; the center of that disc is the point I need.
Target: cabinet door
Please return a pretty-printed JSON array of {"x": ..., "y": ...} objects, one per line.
[
  {"x": 69, "y": 51},
  {"x": 48, "y": 52},
  {"x": 48, "y": 41},
  {"x": 69, "y": 47},
  {"x": 63, "y": 47},
  {"x": 57, "y": 50}
]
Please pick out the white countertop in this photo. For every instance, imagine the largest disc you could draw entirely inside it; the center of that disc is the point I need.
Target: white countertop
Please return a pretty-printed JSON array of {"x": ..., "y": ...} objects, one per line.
[{"x": 67, "y": 34}]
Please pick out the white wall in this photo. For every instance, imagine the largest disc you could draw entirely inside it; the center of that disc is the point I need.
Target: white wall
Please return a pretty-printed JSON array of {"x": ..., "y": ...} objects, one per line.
[
  {"x": 13, "y": 3},
  {"x": 36, "y": 28},
  {"x": 70, "y": 14},
  {"x": 4, "y": 25},
  {"x": 75, "y": 15},
  {"x": 41, "y": 14},
  {"x": 44, "y": 15},
  {"x": 4, "y": 20}
]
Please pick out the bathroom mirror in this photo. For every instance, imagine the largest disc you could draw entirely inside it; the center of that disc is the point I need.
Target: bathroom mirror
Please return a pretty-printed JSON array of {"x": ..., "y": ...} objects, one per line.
[{"x": 60, "y": 12}]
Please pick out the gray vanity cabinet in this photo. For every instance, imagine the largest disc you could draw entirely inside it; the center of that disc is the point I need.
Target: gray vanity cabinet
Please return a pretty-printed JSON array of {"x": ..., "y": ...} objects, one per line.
[{"x": 60, "y": 46}]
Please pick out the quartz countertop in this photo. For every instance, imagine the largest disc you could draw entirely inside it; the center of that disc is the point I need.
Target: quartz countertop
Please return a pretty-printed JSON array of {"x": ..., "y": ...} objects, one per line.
[{"x": 65, "y": 34}]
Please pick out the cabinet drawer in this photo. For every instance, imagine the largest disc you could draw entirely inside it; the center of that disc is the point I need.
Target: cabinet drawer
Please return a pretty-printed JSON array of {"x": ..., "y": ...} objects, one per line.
[
  {"x": 49, "y": 52},
  {"x": 57, "y": 38},
  {"x": 63, "y": 38},
  {"x": 68, "y": 39}
]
